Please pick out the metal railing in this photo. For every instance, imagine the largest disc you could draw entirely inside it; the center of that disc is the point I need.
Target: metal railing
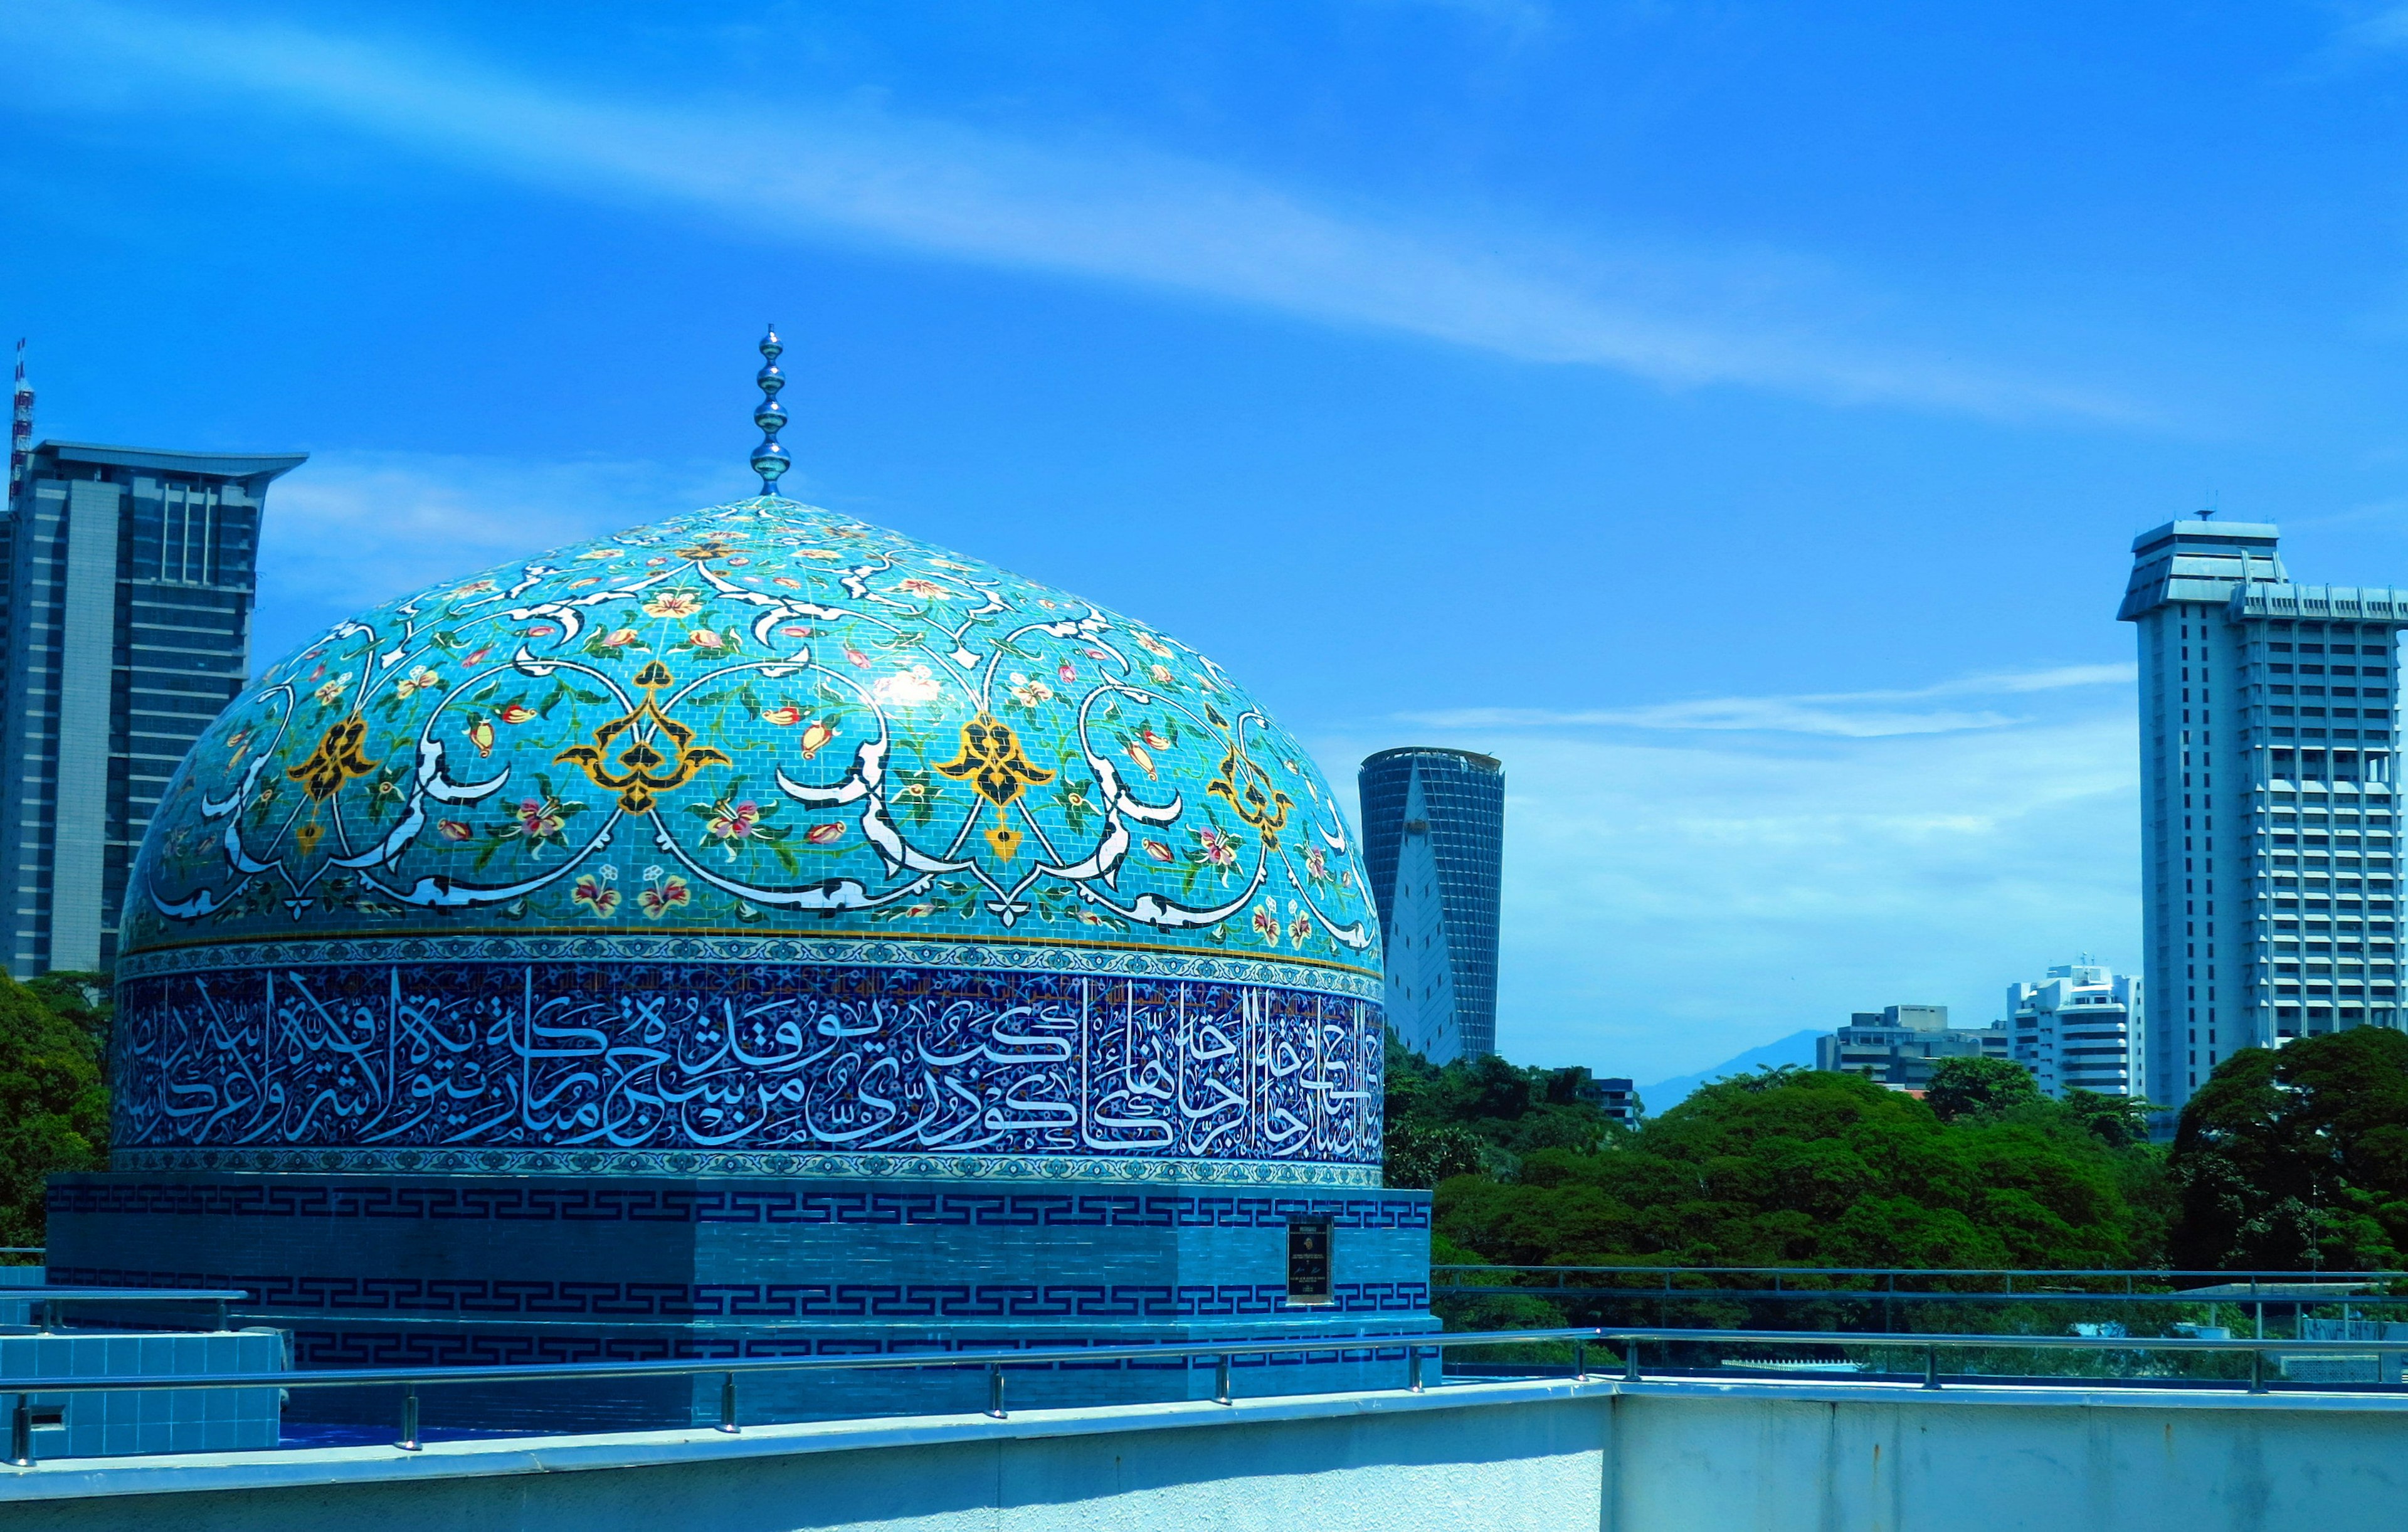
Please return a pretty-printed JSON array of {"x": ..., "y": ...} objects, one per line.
[
  {"x": 1884, "y": 1297},
  {"x": 996, "y": 1363},
  {"x": 47, "y": 1300},
  {"x": 1930, "y": 1346},
  {"x": 1658, "y": 1280},
  {"x": 1626, "y": 1344}
]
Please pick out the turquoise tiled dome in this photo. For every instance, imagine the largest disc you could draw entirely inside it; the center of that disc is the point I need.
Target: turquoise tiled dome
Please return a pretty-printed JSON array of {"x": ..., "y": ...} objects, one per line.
[
  {"x": 800, "y": 755},
  {"x": 763, "y": 716}
]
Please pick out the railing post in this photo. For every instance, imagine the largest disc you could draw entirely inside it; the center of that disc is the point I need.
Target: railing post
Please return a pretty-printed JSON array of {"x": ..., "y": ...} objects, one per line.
[
  {"x": 1412, "y": 1368},
  {"x": 2258, "y": 1370},
  {"x": 21, "y": 1434},
  {"x": 1579, "y": 1361},
  {"x": 408, "y": 1442},
  {"x": 1630, "y": 1360},
  {"x": 1932, "y": 1367},
  {"x": 727, "y": 1403},
  {"x": 1221, "y": 1394},
  {"x": 994, "y": 1389},
  {"x": 221, "y": 1316}
]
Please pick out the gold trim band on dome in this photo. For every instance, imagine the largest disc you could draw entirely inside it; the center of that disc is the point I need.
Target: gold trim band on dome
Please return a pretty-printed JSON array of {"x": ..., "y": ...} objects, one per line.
[{"x": 129, "y": 963}]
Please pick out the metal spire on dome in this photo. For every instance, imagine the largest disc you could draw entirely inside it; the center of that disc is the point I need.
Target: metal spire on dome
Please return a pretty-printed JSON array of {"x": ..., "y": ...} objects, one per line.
[{"x": 769, "y": 460}]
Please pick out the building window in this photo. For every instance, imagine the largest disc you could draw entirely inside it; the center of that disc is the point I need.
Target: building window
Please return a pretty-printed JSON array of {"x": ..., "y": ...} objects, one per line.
[{"x": 1307, "y": 1263}]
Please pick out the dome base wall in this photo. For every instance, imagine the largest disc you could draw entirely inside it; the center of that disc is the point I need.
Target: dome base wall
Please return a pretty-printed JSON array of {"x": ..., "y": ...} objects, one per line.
[{"x": 459, "y": 1270}]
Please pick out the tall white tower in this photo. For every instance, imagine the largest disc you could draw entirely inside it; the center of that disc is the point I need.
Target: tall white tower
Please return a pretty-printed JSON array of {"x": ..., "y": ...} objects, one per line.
[
  {"x": 2269, "y": 873},
  {"x": 2081, "y": 1028}
]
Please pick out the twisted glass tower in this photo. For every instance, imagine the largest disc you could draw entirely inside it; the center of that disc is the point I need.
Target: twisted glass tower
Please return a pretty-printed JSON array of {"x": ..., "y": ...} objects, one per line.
[{"x": 1434, "y": 845}]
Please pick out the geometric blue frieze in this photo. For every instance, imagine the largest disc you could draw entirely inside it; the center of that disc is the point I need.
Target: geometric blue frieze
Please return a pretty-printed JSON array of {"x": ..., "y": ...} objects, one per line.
[
  {"x": 632, "y": 1301},
  {"x": 518, "y": 1203},
  {"x": 784, "y": 1068}
]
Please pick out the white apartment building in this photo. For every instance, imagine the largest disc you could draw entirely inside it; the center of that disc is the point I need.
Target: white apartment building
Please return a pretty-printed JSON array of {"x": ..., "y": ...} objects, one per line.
[
  {"x": 2080, "y": 1028},
  {"x": 2269, "y": 872}
]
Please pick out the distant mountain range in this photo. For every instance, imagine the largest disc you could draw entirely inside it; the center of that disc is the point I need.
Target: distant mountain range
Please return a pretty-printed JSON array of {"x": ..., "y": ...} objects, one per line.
[{"x": 1796, "y": 1048}]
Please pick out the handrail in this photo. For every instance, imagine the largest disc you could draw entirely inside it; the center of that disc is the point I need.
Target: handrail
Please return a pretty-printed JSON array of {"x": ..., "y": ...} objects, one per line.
[
  {"x": 2190, "y": 1299},
  {"x": 1981, "y": 1342},
  {"x": 1183, "y": 1350},
  {"x": 123, "y": 1294},
  {"x": 2167, "y": 1272},
  {"x": 49, "y": 1299},
  {"x": 995, "y": 1356},
  {"x": 999, "y": 1361}
]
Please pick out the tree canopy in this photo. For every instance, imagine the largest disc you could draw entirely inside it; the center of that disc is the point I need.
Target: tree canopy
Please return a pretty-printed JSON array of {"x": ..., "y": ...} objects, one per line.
[
  {"x": 1482, "y": 1115},
  {"x": 2297, "y": 1159},
  {"x": 53, "y": 1101},
  {"x": 1792, "y": 1167},
  {"x": 1970, "y": 1087}
]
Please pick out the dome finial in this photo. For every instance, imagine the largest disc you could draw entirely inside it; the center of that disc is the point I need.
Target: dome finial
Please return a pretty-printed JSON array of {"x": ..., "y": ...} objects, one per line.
[{"x": 769, "y": 460}]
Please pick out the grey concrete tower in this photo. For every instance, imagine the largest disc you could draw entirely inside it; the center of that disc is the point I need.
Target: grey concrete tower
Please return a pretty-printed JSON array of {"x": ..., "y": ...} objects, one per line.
[
  {"x": 127, "y": 614},
  {"x": 2268, "y": 818}
]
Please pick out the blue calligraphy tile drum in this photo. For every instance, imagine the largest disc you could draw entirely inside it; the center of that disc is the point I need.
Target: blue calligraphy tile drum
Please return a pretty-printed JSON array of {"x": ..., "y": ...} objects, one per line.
[{"x": 760, "y": 930}]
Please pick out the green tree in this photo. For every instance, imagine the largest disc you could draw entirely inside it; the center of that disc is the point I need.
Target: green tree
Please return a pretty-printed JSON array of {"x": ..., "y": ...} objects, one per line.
[
  {"x": 83, "y": 999},
  {"x": 53, "y": 1105},
  {"x": 1483, "y": 1113},
  {"x": 1791, "y": 1166},
  {"x": 1970, "y": 1087},
  {"x": 2118, "y": 1122},
  {"x": 2297, "y": 1158},
  {"x": 1421, "y": 1154}
]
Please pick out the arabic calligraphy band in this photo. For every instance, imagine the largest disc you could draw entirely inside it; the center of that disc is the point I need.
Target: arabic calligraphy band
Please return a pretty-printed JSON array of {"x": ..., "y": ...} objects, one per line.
[{"x": 830, "y": 1068}]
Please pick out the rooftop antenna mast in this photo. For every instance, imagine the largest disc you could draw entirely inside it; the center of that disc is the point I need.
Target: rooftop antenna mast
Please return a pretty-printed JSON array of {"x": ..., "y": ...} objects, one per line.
[
  {"x": 21, "y": 431},
  {"x": 769, "y": 460}
]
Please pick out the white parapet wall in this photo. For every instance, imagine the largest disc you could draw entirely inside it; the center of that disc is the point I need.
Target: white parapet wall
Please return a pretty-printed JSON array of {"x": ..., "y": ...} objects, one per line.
[{"x": 1598, "y": 1456}]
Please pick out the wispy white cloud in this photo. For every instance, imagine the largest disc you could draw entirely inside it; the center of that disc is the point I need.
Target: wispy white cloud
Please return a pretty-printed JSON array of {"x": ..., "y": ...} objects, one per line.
[
  {"x": 1520, "y": 18},
  {"x": 1671, "y": 903},
  {"x": 2384, "y": 31},
  {"x": 351, "y": 529},
  {"x": 1104, "y": 209},
  {"x": 1856, "y": 715}
]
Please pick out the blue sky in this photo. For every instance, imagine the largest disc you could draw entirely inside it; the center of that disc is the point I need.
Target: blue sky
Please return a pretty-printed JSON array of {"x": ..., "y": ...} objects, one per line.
[{"x": 1735, "y": 416}]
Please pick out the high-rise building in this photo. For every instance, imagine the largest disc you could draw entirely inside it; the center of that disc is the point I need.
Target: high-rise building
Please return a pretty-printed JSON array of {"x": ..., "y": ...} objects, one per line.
[
  {"x": 1615, "y": 1096},
  {"x": 130, "y": 574},
  {"x": 2269, "y": 732},
  {"x": 21, "y": 425},
  {"x": 2080, "y": 1028},
  {"x": 1900, "y": 1045},
  {"x": 21, "y": 454},
  {"x": 1434, "y": 847}
]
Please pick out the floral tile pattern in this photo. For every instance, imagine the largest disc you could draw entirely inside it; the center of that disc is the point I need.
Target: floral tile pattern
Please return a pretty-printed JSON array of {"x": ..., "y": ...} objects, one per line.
[{"x": 759, "y": 721}]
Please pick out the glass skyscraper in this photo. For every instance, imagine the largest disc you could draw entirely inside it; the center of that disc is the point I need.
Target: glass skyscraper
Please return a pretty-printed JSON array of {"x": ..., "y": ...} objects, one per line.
[
  {"x": 2269, "y": 801},
  {"x": 1434, "y": 845},
  {"x": 127, "y": 619}
]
